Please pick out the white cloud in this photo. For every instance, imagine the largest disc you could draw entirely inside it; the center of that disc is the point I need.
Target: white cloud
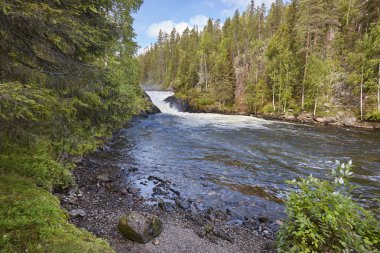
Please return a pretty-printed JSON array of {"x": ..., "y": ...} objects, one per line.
[
  {"x": 181, "y": 26},
  {"x": 199, "y": 20},
  {"x": 165, "y": 26},
  {"x": 236, "y": 3},
  {"x": 242, "y": 4},
  {"x": 168, "y": 25},
  {"x": 233, "y": 5}
]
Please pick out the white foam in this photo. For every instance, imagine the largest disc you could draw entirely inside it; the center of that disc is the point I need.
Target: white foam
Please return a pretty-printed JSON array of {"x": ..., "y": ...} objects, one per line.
[
  {"x": 158, "y": 98},
  {"x": 202, "y": 119}
]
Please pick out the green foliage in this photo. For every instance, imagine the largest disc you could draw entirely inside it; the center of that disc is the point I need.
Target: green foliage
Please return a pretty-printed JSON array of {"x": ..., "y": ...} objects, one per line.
[
  {"x": 204, "y": 102},
  {"x": 373, "y": 116},
  {"x": 322, "y": 217},
  {"x": 38, "y": 165},
  {"x": 68, "y": 78},
  {"x": 267, "y": 109},
  {"x": 32, "y": 221},
  {"x": 299, "y": 54}
]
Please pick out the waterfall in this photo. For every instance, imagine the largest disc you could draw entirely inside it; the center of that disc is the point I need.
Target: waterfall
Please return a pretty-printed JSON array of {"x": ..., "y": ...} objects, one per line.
[
  {"x": 158, "y": 98},
  {"x": 202, "y": 119}
]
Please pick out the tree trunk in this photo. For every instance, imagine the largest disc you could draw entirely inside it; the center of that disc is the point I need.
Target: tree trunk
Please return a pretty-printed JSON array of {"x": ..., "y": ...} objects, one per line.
[
  {"x": 378, "y": 91},
  {"x": 348, "y": 13},
  {"x": 315, "y": 105},
  {"x": 206, "y": 73},
  {"x": 280, "y": 88},
  {"x": 361, "y": 95},
  {"x": 257, "y": 72},
  {"x": 286, "y": 86},
  {"x": 305, "y": 70},
  {"x": 273, "y": 92},
  {"x": 236, "y": 43}
]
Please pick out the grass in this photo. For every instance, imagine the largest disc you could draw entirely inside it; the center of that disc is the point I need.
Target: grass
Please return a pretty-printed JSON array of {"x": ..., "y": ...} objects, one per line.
[{"x": 31, "y": 220}]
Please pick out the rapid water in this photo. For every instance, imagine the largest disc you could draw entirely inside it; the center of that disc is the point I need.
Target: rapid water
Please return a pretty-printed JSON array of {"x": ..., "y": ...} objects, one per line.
[{"x": 240, "y": 162}]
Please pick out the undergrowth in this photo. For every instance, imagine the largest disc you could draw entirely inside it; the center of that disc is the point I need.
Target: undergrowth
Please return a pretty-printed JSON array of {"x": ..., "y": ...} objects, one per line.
[
  {"x": 32, "y": 221},
  {"x": 323, "y": 217}
]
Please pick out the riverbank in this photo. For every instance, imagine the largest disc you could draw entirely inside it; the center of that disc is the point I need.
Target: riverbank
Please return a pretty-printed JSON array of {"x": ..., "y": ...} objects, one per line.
[
  {"x": 32, "y": 221},
  {"x": 308, "y": 118},
  {"x": 338, "y": 119},
  {"x": 102, "y": 195}
]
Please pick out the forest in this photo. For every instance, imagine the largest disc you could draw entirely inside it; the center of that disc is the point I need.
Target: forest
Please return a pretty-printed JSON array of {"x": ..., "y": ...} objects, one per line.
[
  {"x": 68, "y": 78},
  {"x": 80, "y": 139},
  {"x": 315, "y": 56}
]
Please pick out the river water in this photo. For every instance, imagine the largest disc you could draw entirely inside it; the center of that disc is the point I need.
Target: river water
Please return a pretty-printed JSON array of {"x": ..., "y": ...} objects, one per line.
[{"x": 240, "y": 162}]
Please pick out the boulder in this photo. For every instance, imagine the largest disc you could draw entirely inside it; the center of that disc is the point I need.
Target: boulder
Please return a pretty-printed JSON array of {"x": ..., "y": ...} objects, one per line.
[
  {"x": 289, "y": 116},
  {"x": 349, "y": 121},
  {"x": 181, "y": 105},
  {"x": 77, "y": 213},
  {"x": 305, "y": 117},
  {"x": 152, "y": 109},
  {"x": 140, "y": 227},
  {"x": 325, "y": 120},
  {"x": 182, "y": 203}
]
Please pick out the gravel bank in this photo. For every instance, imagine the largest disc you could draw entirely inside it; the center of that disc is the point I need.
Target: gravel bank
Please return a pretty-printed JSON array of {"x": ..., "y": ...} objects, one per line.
[{"x": 101, "y": 197}]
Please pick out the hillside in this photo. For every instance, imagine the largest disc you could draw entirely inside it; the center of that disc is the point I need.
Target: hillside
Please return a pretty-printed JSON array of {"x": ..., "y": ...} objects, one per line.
[{"x": 315, "y": 58}]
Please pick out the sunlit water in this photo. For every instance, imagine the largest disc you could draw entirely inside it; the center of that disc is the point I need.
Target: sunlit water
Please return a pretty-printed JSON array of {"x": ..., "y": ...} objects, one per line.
[{"x": 240, "y": 162}]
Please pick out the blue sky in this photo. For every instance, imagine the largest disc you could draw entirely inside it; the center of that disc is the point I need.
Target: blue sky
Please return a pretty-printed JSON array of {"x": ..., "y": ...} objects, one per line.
[{"x": 166, "y": 14}]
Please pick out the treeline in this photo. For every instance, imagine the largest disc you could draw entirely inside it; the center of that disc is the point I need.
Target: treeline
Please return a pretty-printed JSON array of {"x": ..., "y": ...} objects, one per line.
[
  {"x": 68, "y": 78},
  {"x": 319, "y": 56}
]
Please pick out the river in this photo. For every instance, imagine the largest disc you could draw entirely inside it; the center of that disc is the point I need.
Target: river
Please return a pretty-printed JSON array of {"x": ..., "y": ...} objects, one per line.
[{"x": 239, "y": 162}]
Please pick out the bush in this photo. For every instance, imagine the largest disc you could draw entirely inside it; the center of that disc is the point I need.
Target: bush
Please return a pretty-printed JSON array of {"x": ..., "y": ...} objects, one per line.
[
  {"x": 322, "y": 217},
  {"x": 268, "y": 108},
  {"x": 373, "y": 116}
]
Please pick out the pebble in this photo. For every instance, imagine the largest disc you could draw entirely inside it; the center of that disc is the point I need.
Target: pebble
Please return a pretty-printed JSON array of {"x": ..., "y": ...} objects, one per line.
[
  {"x": 77, "y": 213},
  {"x": 103, "y": 178},
  {"x": 211, "y": 217},
  {"x": 183, "y": 204},
  {"x": 156, "y": 241},
  {"x": 280, "y": 223}
]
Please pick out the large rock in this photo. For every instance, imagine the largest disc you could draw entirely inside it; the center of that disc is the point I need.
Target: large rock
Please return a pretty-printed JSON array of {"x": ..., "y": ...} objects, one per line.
[
  {"x": 325, "y": 120},
  {"x": 140, "y": 227},
  {"x": 349, "y": 121},
  {"x": 152, "y": 109},
  {"x": 181, "y": 105},
  {"x": 305, "y": 117}
]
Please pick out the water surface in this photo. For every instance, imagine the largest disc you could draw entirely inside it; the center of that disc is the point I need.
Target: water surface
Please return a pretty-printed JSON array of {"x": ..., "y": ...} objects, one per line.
[{"x": 241, "y": 162}]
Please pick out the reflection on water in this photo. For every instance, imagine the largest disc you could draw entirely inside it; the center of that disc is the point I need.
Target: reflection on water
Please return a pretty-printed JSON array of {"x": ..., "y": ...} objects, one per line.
[{"x": 241, "y": 163}]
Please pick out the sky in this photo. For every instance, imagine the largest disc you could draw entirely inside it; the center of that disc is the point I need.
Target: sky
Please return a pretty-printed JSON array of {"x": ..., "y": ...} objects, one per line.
[{"x": 167, "y": 14}]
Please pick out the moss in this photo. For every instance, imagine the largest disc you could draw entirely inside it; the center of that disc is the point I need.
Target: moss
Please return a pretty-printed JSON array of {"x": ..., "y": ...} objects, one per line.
[
  {"x": 32, "y": 221},
  {"x": 37, "y": 165}
]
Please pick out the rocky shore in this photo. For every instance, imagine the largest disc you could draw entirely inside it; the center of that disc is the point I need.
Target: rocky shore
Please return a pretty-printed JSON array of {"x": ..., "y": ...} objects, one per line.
[
  {"x": 101, "y": 196},
  {"x": 339, "y": 119}
]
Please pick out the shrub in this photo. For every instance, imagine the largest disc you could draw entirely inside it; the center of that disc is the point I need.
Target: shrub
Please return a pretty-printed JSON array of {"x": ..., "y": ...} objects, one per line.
[
  {"x": 322, "y": 217},
  {"x": 268, "y": 108},
  {"x": 373, "y": 116}
]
